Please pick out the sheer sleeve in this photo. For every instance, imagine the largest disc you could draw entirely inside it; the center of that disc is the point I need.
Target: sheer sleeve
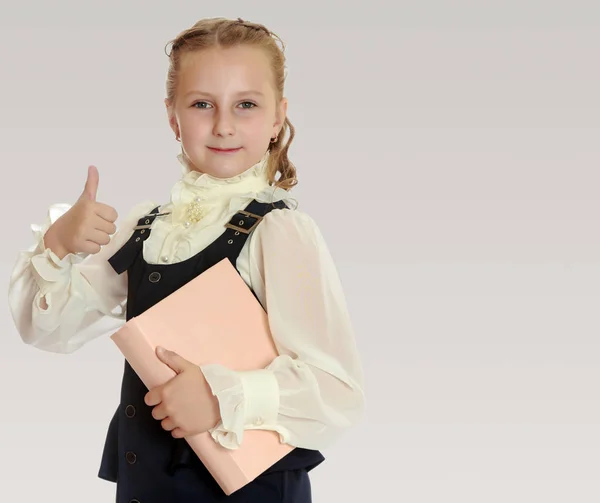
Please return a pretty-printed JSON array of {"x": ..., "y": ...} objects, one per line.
[
  {"x": 57, "y": 304},
  {"x": 314, "y": 389}
]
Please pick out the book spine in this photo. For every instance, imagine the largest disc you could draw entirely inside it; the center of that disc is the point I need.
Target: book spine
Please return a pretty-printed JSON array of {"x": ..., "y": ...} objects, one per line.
[{"x": 140, "y": 352}]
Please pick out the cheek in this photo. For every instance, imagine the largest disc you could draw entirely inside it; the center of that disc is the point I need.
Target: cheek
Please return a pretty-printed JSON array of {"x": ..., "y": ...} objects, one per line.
[
  {"x": 256, "y": 125},
  {"x": 191, "y": 118},
  {"x": 193, "y": 121}
]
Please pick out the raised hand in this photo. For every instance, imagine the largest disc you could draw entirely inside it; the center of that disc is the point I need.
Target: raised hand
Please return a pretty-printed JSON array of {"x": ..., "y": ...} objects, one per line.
[{"x": 87, "y": 226}]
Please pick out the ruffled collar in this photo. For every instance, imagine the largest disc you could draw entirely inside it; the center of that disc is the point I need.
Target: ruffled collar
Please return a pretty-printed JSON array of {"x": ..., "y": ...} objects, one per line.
[
  {"x": 197, "y": 194},
  {"x": 197, "y": 179}
]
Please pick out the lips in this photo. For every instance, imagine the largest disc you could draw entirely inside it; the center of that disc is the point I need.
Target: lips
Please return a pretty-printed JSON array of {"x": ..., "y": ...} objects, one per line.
[{"x": 216, "y": 149}]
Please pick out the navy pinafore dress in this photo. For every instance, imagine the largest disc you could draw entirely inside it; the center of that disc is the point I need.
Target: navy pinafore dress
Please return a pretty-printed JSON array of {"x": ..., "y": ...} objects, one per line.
[{"x": 146, "y": 462}]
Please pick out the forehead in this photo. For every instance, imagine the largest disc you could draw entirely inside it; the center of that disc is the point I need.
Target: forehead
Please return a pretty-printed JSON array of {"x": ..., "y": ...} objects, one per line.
[{"x": 218, "y": 70}]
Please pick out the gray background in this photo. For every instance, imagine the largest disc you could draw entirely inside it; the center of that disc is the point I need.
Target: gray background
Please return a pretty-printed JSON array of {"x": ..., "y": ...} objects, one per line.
[{"x": 448, "y": 150}]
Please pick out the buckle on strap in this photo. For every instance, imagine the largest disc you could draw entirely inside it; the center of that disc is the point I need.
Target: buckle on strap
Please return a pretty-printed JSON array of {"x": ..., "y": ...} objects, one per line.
[
  {"x": 239, "y": 227},
  {"x": 148, "y": 219}
]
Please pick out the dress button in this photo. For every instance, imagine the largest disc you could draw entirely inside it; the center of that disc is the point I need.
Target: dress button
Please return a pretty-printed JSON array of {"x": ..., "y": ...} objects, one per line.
[
  {"x": 130, "y": 411},
  {"x": 130, "y": 457},
  {"x": 154, "y": 277}
]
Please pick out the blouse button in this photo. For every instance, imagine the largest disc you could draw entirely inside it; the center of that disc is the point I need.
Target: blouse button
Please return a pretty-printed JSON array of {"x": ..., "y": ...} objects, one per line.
[
  {"x": 130, "y": 457},
  {"x": 258, "y": 421},
  {"x": 187, "y": 224},
  {"x": 154, "y": 277},
  {"x": 130, "y": 411},
  {"x": 165, "y": 258}
]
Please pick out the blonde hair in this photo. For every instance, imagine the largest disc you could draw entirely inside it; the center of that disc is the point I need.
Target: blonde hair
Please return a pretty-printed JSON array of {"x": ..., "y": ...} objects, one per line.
[{"x": 224, "y": 33}]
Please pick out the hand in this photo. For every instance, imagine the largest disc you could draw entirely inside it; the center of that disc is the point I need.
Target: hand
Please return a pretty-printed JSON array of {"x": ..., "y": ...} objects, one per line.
[
  {"x": 86, "y": 226},
  {"x": 185, "y": 404}
]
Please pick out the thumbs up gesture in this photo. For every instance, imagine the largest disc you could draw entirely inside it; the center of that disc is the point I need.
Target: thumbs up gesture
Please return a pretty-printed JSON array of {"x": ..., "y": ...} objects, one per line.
[{"x": 87, "y": 226}]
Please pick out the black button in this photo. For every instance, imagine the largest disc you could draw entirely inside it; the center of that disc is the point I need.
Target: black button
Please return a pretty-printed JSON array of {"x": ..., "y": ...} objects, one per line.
[
  {"x": 130, "y": 457},
  {"x": 130, "y": 411},
  {"x": 154, "y": 277}
]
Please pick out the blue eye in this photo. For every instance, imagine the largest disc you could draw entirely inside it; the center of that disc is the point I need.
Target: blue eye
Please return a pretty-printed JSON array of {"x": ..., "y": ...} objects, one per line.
[
  {"x": 205, "y": 105},
  {"x": 200, "y": 103}
]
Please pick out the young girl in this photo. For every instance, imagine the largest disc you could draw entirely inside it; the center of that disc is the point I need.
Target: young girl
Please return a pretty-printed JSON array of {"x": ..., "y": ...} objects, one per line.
[{"x": 225, "y": 105}]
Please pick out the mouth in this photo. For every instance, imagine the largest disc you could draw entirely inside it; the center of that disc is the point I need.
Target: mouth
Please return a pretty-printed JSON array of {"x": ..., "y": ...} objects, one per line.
[{"x": 224, "y": 150}]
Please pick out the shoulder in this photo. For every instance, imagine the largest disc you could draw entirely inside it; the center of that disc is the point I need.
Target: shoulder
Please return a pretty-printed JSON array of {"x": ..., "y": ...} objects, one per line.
[
  {"x": 134, "y": 214},
  {"x": 288, "y": 231},
  {"x": 288, "y": 221},
  {"x": 143, "y": 208}
]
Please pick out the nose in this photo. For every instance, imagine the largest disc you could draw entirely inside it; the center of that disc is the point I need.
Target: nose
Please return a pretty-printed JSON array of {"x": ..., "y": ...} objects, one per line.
[{"x": 224, "y": 123}]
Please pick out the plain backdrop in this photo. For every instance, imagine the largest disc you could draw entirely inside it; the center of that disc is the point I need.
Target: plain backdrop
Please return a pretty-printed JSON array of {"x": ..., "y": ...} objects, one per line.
[{"x": 449, "y": 153}]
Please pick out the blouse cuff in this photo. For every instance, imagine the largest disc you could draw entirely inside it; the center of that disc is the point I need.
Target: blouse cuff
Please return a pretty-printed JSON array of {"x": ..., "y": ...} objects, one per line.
[
  {"x": 247, "y": 400},
  {"x": 44, "y": 261}
]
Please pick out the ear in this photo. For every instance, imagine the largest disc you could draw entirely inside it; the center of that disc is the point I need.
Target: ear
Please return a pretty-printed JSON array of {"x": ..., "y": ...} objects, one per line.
[
  {"x": 281, "y": 114},
  {"x": 172, "y": 117}
]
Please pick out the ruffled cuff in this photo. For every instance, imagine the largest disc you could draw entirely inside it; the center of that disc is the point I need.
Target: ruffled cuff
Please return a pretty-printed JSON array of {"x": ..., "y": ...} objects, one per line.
[
  {"x": 247, "y": 400},
  {"x": 48, "y": 270},
  {"x": 45, "y": 262}
]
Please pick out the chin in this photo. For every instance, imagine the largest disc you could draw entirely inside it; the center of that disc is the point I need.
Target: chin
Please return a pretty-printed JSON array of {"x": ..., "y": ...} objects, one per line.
[{"x": 222, "y": 169}]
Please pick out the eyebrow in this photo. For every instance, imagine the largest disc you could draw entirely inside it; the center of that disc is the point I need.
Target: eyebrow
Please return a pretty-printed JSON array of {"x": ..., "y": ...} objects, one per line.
[{"x": 241, "y": 93}]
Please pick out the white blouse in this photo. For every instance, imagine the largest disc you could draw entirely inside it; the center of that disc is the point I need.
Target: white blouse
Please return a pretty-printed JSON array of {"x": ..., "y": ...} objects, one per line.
[{"x": 308, "y": 394}]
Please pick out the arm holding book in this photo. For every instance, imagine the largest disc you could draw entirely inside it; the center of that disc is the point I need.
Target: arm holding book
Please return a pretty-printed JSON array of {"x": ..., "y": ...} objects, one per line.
[
  {"x": 314, "y": 389},
  {"x": 184, "y": 405}
]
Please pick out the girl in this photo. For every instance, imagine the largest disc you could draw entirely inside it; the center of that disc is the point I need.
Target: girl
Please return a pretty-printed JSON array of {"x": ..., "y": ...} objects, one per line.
[{"x": 225, "y": 105}]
